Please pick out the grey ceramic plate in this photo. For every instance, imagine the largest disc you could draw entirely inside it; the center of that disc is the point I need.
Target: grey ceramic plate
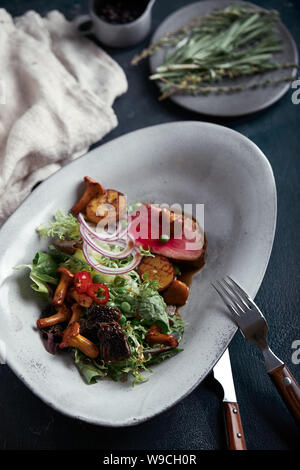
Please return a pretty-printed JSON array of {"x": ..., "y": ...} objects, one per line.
[
  {"x": 238, "y": 103},
  {"x": 185, "y": 162}
]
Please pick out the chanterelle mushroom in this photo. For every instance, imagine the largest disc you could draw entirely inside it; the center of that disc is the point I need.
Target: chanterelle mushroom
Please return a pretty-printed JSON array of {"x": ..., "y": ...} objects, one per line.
[
  {"x": 63, "y": 314},
  {"x": 91, "y": 190},
  {"x": 72, "y": 337},
  {"x": 155, "y": 336},
  {"x": 76, "y": 313},
  {"x": 65, "y": 280},
  {"x": 82, "y": 299}
]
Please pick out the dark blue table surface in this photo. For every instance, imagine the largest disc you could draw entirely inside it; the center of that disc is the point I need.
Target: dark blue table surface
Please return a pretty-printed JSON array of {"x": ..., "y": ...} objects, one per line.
[{"x": 196, "y": 422}]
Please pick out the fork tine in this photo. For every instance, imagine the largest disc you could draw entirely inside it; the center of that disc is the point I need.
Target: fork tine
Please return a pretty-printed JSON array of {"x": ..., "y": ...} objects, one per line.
[
  {"x": 230, "y": 293},
  {"x": 225, "y": 300},
  {"x": 241, "y": 291},
  {"x": 238, "y": 298}
]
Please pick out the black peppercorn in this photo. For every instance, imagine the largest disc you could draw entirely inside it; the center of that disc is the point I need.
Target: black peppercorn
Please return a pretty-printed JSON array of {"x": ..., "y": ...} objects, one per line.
[{"x": 118, "y": 11}]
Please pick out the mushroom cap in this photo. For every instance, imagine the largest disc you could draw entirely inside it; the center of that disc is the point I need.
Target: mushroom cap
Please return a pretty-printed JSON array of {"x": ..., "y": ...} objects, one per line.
[
  {"x": 63, "y": 309},
  {"x": 91, "y": 182},
  {"x": 65, "y": 271},
  {"x": 72, "y": 330},
  {"x": 113, "y": 345}
]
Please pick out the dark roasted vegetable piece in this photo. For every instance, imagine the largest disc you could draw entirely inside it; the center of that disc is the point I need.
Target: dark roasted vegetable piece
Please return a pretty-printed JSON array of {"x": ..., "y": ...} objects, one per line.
[
  {"x": 113, "y": 343},
  {"x": 67, "y": 246},
  {"x": 106, "y": 208},
  {"x": 90, "y": 333},
  {"x": 177, "y": 293},
  {"x": 98, "y": 314},
  {"x": 51, "y": 335},
  {"x": 103, "y": 313},
  {"x": 157, "y": 268}
]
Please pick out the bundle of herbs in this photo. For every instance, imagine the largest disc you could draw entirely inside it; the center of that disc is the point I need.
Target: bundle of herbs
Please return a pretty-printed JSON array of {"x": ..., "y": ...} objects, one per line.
[{"x": 234, "y": 42}]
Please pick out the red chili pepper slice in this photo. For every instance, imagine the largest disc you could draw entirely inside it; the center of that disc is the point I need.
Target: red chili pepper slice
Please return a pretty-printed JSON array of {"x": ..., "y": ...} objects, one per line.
[
  {"x": 82, "y": 280},
  {"x": 99, "y": 293}
]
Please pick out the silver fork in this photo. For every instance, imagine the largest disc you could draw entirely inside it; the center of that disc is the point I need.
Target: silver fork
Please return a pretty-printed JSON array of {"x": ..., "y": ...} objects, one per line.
[{"x": 254, "y": 328}]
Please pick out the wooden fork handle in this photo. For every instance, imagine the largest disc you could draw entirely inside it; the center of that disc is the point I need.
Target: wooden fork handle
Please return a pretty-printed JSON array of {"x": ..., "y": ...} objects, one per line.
[
  {"x": 288, "y": 388},
  {"x": 234, "y": 427}
]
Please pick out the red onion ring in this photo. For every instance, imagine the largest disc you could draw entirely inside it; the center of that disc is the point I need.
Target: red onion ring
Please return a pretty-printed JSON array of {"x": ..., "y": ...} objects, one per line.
[
  {"x": 119, "y": 233},
  {"x": 112, "y": 271},
  {"x": 128, "y": 245}
]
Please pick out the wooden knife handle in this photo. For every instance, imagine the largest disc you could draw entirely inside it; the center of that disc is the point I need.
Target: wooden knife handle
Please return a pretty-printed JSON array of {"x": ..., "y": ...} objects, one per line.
[
  {"x": 288, "y": 388},
  {"x": 234, "y": 427}
]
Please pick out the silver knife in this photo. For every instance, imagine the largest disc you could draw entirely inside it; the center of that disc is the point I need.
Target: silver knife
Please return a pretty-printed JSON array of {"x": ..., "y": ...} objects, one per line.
[{"x": 235, "y": 433}]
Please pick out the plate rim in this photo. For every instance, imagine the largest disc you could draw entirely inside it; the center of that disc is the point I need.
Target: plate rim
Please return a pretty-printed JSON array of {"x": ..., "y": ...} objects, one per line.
[
  {"x": 13, "y": 363},
  {"x": 266, "y": 104}
]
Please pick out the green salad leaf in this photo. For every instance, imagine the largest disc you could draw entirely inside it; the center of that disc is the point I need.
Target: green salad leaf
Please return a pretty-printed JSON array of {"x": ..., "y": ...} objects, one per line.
[
  {"x": 178, "y": 326},
  {"x": 158, "y": 358},
  {"x": 89, "y": 369},
  {"x": 74, "y": 263},
  {"x": 152, "y": 309},
  {"x": 143, "y": 298},
  {"x": 42, "y": 271},
  {"x": 64, "y": 226},
  {"x": 39, "y": 285},
  {"x": 135, "y": 334},
  {"x": 45, "y": 267}
]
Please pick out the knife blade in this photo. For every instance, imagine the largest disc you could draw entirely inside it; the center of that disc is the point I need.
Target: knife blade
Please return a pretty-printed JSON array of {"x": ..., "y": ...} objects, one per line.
[{"x": 235, "y": 433}]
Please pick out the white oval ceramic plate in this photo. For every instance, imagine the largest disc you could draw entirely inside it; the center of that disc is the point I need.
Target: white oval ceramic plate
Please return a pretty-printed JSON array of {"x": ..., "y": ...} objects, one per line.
[
  {"x": 185, "y": 162},
  {"x": 238, "y": 103}
]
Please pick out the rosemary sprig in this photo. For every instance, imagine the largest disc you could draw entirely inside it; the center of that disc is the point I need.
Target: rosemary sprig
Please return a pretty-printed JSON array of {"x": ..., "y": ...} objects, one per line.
[
  {"x": 205, "y": 90},
  {"x": 234, "y": 42}
]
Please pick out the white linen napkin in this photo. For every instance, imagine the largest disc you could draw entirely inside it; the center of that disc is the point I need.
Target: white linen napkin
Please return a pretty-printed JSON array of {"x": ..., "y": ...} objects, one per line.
[{"x": 56, "y": 95}]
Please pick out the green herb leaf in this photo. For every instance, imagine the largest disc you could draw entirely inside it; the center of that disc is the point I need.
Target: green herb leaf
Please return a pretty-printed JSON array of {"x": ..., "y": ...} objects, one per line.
[
  {"x": 146, "y": 252},
  {"x": 239, "y": 40},
  {"x": 64, "y": 226}
]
